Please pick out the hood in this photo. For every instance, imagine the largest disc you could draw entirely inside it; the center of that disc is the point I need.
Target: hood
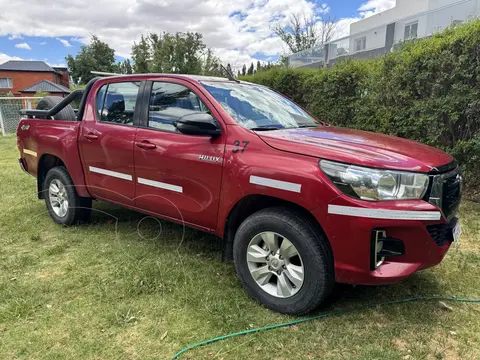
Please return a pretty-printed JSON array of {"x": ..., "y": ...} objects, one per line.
[{"x": 357, "y": 147}]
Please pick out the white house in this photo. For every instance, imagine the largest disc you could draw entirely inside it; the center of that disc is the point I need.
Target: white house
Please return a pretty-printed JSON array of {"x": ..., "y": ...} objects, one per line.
[
  {"x": 377, "y": 34},
  {"x": 407, "y": 20}
]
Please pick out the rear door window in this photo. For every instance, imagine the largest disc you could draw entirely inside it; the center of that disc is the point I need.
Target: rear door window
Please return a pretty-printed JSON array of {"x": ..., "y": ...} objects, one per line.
[{"x": 116, "y": 102}]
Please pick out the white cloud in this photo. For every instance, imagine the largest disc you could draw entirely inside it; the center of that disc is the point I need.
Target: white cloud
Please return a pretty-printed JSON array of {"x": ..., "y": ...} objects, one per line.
[
  {"x": 64, "y": 42},
  {"x": 15, "y": 37},
  {"x": 56, "y": 65},
  {"x": 5, "y": 58},
  {"x": 43, "y": 43},
  {"x": 236, "y": 29},
  {"x": 24, "y": 46},
  {"x": 121, "y": 22},
  {"x": 372, "y": 7}
]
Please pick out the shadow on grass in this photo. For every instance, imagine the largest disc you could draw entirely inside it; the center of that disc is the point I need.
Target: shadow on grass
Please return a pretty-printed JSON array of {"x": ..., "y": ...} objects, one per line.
[{"x": 343, "y": 296}]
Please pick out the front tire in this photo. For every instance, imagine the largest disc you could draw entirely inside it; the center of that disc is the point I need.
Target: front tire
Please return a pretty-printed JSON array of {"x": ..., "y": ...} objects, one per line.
[
  {"x": 284, "y": 261},
  {"x": 63, "y": 203}
]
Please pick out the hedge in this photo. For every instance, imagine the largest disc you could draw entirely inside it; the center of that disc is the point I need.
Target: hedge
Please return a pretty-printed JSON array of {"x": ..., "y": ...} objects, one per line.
[{"x": 428, "y": 90}]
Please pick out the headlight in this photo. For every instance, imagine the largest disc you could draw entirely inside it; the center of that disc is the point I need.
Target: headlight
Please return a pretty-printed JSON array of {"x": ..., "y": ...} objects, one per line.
[{"x": 374, "y": 184}]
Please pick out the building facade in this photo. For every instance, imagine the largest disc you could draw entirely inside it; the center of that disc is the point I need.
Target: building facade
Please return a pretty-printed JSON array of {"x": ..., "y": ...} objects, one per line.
[
  {"x": 377, "y": 34},
  {"x": 20, "y": 77}
]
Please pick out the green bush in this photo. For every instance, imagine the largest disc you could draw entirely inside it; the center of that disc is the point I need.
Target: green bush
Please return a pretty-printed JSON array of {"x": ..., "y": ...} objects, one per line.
[{"x": 428, "y": 90}]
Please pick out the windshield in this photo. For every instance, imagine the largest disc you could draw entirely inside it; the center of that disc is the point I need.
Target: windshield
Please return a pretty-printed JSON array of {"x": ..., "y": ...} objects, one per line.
[{"x": 257, "y": 107}]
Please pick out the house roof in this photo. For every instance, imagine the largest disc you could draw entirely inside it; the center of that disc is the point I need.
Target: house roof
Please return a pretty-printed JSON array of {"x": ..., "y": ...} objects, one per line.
[
  {"x": 46, "y": 86},
  {"x": 23, "y": 65}
]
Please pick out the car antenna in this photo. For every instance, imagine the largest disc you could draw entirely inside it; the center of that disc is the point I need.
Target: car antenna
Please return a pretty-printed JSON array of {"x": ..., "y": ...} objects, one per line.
[{"x": 230, "y": 76}]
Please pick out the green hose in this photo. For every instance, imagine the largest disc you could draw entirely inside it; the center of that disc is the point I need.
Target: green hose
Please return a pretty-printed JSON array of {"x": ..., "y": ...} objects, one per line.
[{"x": 321, "y": 316}]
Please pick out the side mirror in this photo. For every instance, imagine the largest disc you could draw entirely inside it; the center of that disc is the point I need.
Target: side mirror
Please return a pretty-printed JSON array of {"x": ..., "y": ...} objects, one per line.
[{"x": 198, "y": 124}]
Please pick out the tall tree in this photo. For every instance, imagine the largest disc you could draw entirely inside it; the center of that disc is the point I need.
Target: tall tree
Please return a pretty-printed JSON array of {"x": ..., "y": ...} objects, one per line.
[
  {"x": 210, "y": 64},
  {"x": 177, "y": 53},
  {"x": 251, "y": 69},
  {"x": 303, "y": 32},
  {"x": 124, "y": 67},
  {"x": 239, "y": 73},
  {"x": 141, "y": 56},
  {"x": 229, "y": 69},
  {"x": 96, "y": 56},
  {"x": 244, "y": 70},
  {"x": 259, "y": 66}
]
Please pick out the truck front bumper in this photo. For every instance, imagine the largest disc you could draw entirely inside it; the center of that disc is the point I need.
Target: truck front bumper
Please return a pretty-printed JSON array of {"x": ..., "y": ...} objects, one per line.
[{"x": 349, "y": 225}]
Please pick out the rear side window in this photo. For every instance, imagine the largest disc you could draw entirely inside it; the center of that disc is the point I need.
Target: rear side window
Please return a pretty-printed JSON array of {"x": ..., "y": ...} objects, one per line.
[
  {"x": 116, "y": 102},
  {"x": 169, "y": 102}
]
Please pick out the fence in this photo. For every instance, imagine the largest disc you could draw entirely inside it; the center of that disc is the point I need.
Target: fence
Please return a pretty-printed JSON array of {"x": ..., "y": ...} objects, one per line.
[{"x": 9, "y": 111}]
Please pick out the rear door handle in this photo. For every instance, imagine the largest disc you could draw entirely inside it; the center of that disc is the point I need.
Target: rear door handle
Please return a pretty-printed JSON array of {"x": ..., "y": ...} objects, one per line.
[
  {"x": 91, "y": 136},
  {"x": 147, "y": 145}
]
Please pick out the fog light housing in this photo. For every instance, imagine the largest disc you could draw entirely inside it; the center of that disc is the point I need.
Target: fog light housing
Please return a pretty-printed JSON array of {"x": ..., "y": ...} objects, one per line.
[
  {"x": 383, "y": 247},
  {"x": 377, "y": 246}
]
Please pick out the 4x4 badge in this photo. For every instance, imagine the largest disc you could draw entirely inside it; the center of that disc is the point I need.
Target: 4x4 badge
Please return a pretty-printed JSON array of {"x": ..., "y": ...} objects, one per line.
[{"x": 25, "y": 127}]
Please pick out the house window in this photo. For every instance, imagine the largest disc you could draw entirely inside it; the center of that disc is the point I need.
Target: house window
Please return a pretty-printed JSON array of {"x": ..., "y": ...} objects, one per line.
[
  {"x": 6, "y": 83},
  {"x": 411, "y": 31},
  {"x": 360, "y": 43}
]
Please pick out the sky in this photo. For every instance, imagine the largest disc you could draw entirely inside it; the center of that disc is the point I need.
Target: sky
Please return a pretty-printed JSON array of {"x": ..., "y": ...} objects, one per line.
[{"x": 239, "y": 31}]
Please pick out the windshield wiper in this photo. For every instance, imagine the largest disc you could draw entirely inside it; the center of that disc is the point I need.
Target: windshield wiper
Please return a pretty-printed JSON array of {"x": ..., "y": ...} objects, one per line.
[
  {"x": 265, "y": 128},
  {"x": 308, "y": 126}
]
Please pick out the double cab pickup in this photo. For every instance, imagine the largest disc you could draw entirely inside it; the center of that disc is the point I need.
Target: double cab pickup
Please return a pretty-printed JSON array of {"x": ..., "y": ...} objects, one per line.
[{"x": 300, "y": 204}]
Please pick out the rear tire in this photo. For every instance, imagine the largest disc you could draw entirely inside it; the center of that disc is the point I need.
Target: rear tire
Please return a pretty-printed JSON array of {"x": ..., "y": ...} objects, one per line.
[
  {"x": 63, "y": 203},
  {"x": 295, "y": 280},
  {"x": 48, "y": 102}
]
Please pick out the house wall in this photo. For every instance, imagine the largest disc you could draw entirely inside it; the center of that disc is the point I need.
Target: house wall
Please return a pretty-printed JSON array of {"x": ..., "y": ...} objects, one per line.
[
  {"x": 404, "y": 8},
  {"x": 445, "y": 13},
  {"x": 24, "y": 79},
  {"x": 64, "y": 79},
  {"x": 375, "y": 38}
]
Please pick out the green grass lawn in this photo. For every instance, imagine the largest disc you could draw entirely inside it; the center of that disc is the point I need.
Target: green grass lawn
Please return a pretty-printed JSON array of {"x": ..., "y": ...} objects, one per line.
[{"x": 121, "y": 288}]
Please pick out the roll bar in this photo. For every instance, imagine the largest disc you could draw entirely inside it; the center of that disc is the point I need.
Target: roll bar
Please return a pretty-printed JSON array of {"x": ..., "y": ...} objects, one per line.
[{"x": 75, "y": 95}]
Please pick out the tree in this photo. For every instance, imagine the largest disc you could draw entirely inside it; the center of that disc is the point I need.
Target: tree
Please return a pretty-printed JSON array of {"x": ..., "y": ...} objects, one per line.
[
  {"x": 259, "y": 66},
  {"x": 303, "y": 32},
  {"x": 210, "y": 64},
  {"x": 229, "y": 69},
  {"x": 179, "y": 53},
  {"x": 239, "y": 73},
  {"x": 251, "y": 69},
  {"x": 141, "y": 56},
  {"x": 183, "y": 53},
  {"x": 96, "y": 56},
  {"x": 124, "y": 67},
  {"x": 244, "y": 70}
]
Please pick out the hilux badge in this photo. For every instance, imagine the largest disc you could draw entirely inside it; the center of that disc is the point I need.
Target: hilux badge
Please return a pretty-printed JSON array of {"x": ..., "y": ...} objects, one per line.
[{"x": 214, "y": 159}]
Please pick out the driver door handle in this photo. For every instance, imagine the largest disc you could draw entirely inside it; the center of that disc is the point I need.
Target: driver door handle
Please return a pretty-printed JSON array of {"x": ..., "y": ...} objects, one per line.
[
  {"x": 91, "y": 136},
  {"x": 146, "y": 145}
]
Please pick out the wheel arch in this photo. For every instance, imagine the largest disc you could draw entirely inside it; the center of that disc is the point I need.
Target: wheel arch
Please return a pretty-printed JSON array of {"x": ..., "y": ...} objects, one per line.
[
  {"x": 45, "y": 163},
  {"x": 251, "y": 204}
]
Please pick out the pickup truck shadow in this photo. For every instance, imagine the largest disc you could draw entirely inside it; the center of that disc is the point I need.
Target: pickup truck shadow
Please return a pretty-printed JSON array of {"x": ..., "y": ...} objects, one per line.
[
  {"x": 192, "y": 243},
  {"x": 155, "y": 229}
]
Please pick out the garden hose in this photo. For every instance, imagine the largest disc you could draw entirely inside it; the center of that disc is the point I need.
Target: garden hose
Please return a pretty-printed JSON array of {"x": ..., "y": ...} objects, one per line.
[{"x": 321, "y": 316}]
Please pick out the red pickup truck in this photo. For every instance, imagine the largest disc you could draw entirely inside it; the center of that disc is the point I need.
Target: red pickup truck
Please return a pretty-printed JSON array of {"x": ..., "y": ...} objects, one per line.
[{"x": 300, "y": 204}]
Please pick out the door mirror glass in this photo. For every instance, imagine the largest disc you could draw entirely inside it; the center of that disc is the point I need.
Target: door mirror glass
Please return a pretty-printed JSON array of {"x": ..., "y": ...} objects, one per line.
[{"x": 198, "y": 124}]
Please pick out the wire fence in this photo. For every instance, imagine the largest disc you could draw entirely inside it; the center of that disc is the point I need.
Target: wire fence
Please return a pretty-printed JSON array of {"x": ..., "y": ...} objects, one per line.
[{"x": 9, "y": 111}]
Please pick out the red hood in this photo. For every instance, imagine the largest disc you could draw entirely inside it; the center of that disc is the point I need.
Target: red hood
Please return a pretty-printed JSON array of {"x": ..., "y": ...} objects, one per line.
[{"x": 357, "y": 147}]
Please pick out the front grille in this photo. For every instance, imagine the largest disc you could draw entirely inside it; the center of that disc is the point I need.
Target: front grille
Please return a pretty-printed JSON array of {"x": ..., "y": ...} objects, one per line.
[
  {"x": 452, "y": 190},
  {"x": 445, "y": 191},
  {"x": 441, "y": 233}
]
